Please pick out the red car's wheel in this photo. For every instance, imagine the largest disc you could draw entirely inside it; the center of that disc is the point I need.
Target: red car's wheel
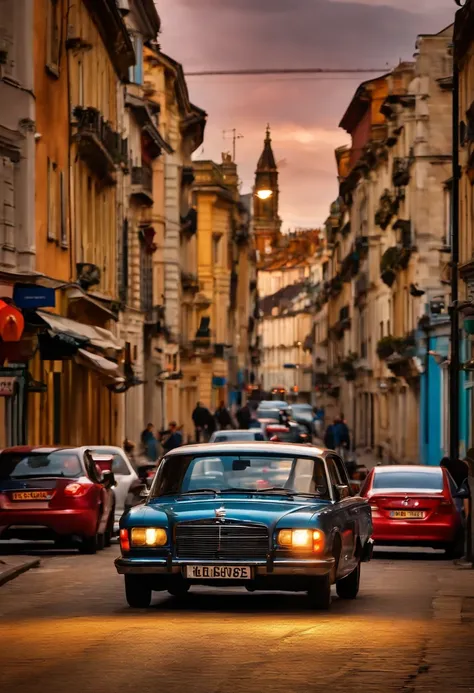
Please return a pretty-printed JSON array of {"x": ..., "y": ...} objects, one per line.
[{"x": 89, "y": 545}]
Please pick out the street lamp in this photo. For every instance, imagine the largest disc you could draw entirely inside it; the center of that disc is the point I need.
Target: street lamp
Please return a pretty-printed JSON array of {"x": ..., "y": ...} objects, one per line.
[{"x": 264, "y": 194}]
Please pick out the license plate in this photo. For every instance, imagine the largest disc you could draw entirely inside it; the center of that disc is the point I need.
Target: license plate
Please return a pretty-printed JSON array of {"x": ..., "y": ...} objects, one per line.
[
  {"x": 30, "y": 495},
  {"x": 407, "y": 514},
  {"x": 218, "y": 572}
]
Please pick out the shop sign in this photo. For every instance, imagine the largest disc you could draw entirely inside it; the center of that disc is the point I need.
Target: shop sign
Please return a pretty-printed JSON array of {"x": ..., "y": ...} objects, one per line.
[
  {"x": 7, "y": 386},
  {"x": 34, "y": 297}
]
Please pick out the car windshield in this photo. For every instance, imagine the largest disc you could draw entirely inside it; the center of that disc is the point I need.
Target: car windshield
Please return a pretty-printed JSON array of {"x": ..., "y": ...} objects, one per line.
[
  {"x": 23, "y": 466},
  {"x": 254, "y": 473},
  {"x": 408, "y": 480},
  {"x": 302, "y": 407},
  {"x": 238, "y": 435},
  {"x": 273, "y": 414}
]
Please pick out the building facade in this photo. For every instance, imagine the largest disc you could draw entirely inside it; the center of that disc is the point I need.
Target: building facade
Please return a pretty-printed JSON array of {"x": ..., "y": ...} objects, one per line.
[
  {"x": 464, "y": 59},
  {"x": 389, "y": 232}
]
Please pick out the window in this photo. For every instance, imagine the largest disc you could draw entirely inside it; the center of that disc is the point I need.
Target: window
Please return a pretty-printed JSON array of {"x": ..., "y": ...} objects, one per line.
[
  {"x": 146, "y": 278},
  {"x": 448, "y": 211},
  {"x": 123, "y": 265},
  {"x": 409, "y": 481},
  {"x": 216, "y": 250},
  {"x": 53, "y": 217},
  {"x": 136, "y": 71},
  {"x": 53, "y": 37},
  {"x": 63, "y": 192}
]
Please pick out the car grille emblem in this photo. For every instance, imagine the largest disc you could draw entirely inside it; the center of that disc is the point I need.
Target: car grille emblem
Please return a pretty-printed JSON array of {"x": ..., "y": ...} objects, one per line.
[
  {"x": 220, "y": 513},
  {"x": 406, "y": 501}
]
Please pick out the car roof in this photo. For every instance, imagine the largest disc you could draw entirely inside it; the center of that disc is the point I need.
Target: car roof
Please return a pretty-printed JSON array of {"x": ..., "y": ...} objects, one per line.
[
  {"x": 407, "y": 468},
  {"x": 26, "y": 449},
  {"x": 248, "y": 447}
]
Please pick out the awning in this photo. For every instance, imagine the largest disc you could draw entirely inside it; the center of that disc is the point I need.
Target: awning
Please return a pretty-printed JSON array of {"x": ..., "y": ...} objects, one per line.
[
  {"x": 97, "y": 337},
  {"x": 103, "y": 366}
]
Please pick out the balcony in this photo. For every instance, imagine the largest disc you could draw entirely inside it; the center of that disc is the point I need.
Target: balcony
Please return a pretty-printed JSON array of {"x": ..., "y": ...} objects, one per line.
[
  {"x": 99, "y": 145},
  {"x": 142, "y": 184}
]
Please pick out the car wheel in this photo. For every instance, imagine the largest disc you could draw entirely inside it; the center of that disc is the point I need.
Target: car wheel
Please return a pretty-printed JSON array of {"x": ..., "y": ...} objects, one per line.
[
  {"x": 137, "y": 592},
  {"x": 456, "y": 548},
  {"x": 109, "y": 532},
  {"x": 348, "y": 587},
  {"x": 89, "y": 545},
  {"x": 319, "y": 593}
]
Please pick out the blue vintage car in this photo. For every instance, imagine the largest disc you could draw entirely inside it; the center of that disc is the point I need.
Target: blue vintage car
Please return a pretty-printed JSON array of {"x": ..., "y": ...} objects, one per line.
[{"x": 265, "y": 516}]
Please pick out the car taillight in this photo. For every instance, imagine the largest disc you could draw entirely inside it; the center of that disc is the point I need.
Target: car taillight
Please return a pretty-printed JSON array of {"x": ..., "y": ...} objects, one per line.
[
  {"x": 445, "y": 507},
  {"x": 124, "y": 540},
  {"x": 76, "y": 490}
]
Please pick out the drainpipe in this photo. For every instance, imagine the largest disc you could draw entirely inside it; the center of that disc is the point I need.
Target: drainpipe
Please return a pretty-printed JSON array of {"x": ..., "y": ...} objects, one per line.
[
  {"x": 454, "y": 314},
  {"x": 427, "y": 395}
]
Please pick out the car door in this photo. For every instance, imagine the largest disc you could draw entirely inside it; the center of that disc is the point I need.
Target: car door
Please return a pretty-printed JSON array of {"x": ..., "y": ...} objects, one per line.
[
  {"x": 347, "y": 512},
  {"x": 103, "y": 496},
  {"x": 123, "y": 478}
]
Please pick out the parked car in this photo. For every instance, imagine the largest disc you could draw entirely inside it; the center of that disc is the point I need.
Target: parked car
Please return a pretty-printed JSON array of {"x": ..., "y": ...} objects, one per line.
[
  {"x": 237, "y": 434},
  {"x": 124, "y": 472},
  {"x": 289, "y": 433},
  {"x": 281, "y": 405},
  {"x": 303, "y": 414},
  {"x": 414, "y": 506},
  {"x": 265, "y": 516},
  {"x": 56, "y": 493}
]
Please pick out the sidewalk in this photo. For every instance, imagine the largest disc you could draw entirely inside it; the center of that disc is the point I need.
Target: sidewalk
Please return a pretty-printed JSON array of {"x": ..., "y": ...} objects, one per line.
[{"x": 13, "y": 566}]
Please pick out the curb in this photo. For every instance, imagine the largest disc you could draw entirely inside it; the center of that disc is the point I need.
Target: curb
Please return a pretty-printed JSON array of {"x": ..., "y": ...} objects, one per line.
[{"x": 15, "y": 571}]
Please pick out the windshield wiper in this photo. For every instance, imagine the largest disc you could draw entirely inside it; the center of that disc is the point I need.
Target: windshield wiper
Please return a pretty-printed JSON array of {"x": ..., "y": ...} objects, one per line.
[{"x": 198, "y": 490}]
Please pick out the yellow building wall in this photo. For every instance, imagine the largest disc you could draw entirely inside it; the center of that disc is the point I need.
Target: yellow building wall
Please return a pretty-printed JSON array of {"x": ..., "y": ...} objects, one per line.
[{"x": 53, "y": 255}]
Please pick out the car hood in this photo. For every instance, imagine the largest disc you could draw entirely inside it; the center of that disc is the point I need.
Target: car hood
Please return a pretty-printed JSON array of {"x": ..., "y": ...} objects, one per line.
[{"x": 267, "y": 511}]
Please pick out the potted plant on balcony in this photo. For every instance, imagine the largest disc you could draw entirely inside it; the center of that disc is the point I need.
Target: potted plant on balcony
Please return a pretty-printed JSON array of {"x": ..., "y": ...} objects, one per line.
[{"x": 348, "y": 367}]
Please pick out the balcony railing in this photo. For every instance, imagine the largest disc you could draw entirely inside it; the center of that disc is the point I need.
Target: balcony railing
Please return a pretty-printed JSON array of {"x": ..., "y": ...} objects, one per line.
[{"x": 100, "y": 146}]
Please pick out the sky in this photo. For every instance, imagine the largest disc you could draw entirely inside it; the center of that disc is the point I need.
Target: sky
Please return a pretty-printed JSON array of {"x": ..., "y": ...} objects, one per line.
[{"x": 304, "y": 112}]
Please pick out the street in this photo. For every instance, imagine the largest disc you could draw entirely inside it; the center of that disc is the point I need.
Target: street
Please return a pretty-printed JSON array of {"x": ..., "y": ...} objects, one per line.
[{"x": 65, "y": 627}]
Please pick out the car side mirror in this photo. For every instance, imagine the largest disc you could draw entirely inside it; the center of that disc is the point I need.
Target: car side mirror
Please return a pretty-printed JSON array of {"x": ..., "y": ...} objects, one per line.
[
  {"x": 108, "y": 479},
  {"x": 144, "y": 491},
  {"x": 342, "y": 492},
  {"x": 462, "y": 493}
]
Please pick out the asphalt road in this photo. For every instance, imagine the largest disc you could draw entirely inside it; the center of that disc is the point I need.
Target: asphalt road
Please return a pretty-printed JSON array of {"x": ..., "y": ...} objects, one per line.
[{"x": 65, "y": 628}]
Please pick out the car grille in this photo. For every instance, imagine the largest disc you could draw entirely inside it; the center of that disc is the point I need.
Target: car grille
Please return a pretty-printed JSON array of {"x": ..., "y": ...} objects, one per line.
[{"x": 221, "y": 541}]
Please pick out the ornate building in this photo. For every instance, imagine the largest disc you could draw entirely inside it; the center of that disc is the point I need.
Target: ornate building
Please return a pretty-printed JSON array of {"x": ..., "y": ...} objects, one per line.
[{"x": 267, "y": 223}]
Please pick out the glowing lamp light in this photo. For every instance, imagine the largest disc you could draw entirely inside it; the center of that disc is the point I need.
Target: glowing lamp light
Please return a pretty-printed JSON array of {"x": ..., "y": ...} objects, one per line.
[{"x": 264, "y": 194}]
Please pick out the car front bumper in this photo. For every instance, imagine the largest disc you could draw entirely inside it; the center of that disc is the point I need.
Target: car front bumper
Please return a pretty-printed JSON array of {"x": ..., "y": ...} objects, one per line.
[{"x": 270, "y": 567}]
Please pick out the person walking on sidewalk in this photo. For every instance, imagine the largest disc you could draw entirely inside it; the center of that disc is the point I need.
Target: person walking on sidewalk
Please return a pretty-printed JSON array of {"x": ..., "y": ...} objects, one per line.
[
  {"x": 244, "y": 417},
  {"x": 173, "y": 438},
  {"x": 222, "y": 417},
  {"x": 200, "y": 418},
  {"x": 150, "y": 443},
  {"x": 343, "y": 438}
]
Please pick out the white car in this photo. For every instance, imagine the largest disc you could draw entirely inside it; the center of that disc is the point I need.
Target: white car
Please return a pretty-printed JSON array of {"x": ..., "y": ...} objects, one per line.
[
  {"x": 124, "y": 474},
  {"x": 240, "y": 435}
]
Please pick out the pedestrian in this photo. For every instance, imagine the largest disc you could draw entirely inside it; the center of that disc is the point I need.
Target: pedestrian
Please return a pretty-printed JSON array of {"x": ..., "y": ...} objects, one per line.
[
  {"x": 330, "y": 436},
  {"x": 244, "y": 417},
  {"x": 200, "y": 419},
  {"x": 150, "y": 443},
  {"x": 173, "y": 438},
  {"x": 210, "y": 425},
  {"x": 457, "y": 468},
  {"x": 343, "y": 439},
  {"x": 222, "y": 417}
]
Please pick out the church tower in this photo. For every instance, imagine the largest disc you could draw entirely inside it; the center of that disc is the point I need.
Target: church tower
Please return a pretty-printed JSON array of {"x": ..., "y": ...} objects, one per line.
[{"x": 266, "y": 221}]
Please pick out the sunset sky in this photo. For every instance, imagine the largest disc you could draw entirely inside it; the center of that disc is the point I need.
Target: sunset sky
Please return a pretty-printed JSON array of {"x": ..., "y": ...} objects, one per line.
[{"x": 304, "y": 112}]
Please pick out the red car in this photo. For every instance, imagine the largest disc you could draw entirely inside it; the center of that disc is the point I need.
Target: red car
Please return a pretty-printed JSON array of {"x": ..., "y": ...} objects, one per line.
[
  {"x": 61, "y": 494},
  {"x": 414, "y": 506}
]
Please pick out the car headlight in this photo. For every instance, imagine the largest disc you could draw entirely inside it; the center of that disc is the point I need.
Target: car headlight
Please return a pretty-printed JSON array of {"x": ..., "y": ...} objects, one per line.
[
  {"x": 149, "y": 536},
  {"x": 312, "y": 539}
]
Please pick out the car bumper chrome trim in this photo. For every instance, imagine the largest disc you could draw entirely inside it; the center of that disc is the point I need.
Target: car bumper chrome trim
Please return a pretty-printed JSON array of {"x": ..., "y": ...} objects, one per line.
[{"x": 163, "y": 566}]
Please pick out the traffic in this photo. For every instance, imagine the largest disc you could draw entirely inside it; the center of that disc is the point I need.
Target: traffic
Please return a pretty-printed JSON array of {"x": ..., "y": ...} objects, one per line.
[{"x": 264, "y": 508}]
